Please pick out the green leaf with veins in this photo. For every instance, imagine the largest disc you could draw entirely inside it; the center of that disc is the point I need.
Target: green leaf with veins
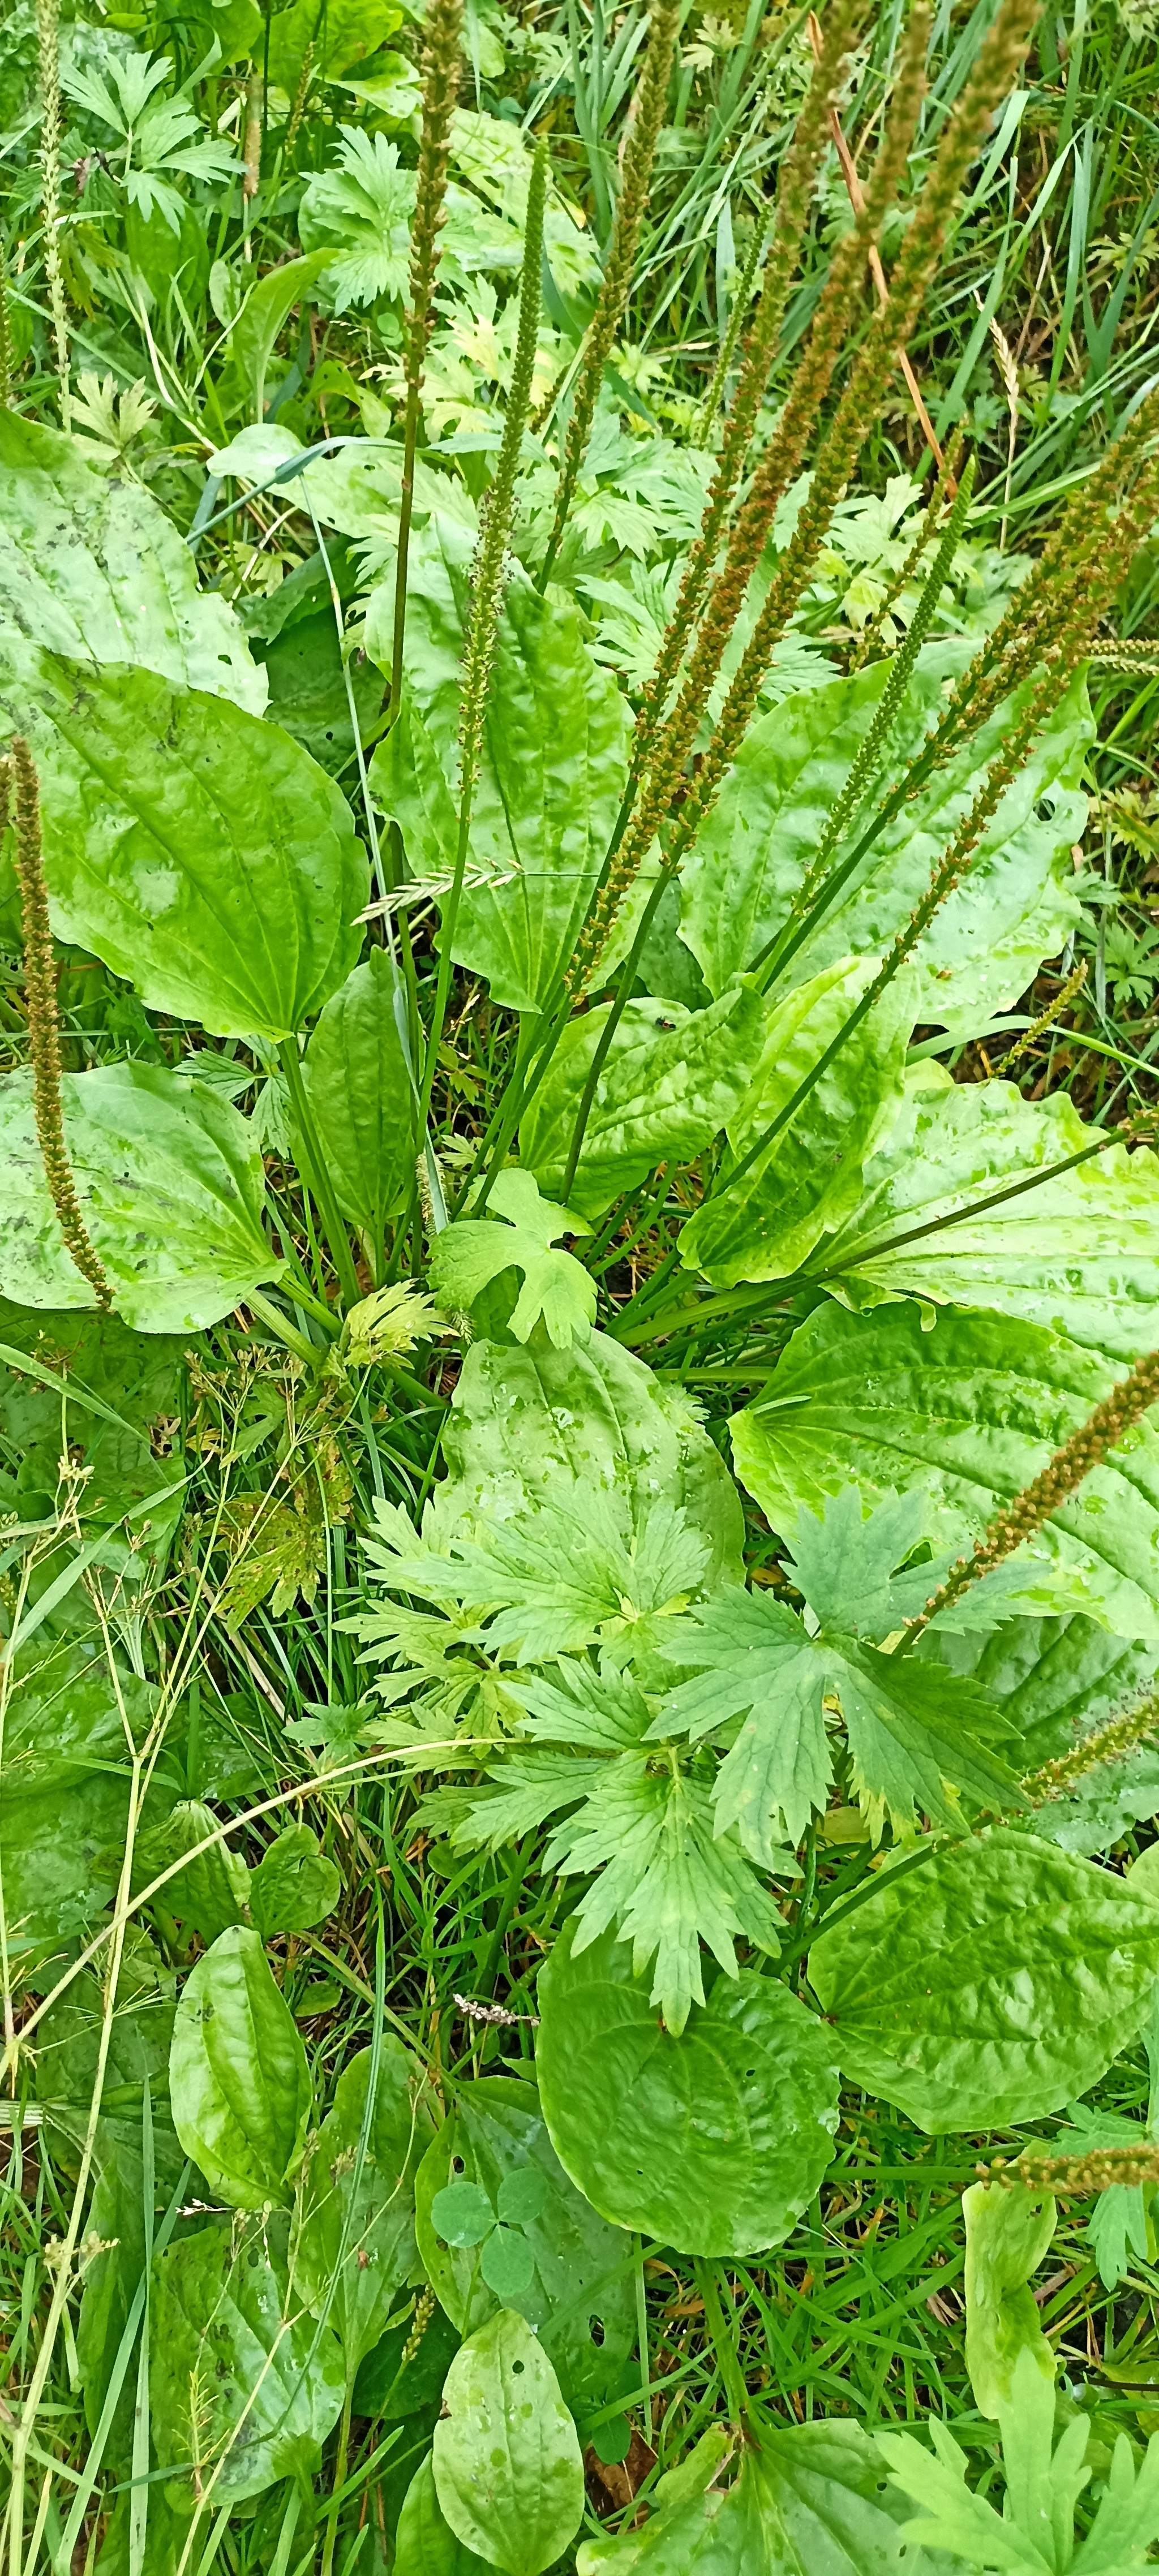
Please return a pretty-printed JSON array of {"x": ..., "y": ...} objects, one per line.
[
  {"x": 672, "y": 1080},
  {"x": 1077, "y": 1253},
  {"x": 556, "y": 1289},
  {"x": 171, "y": 1194},
  {"x": 238, "y": 2076},
  {"x": 197, "y": 851},
  {"x": 361, "y": 1096},
  {"x": 579, "y": 2295},
  {"x": 846, "y": 1563},
  {"x": 1053, "y": 1679},
  {"x": 669, "y": 1878},
  {"x": 526, "y": 1424},
  {"x": 243, "y": 2385},
  {"x": 551, "y": 777},
  {"x": 802, "y": 1184},
  {"x": 1034, "y": 2535},
  {"x": 744, "y": 2098},
  {"x": 1016, "y": 905},
  {"x": 988, "y": 1984},
  {"x": 507, "y": 2465},
  {"x": 425, "y": 2544},
  {"x": 295, "y": 1884},
  {"x": 355, "y": 2245},
  {"x": 170, "y": 1187},
  {"x": 970, "y": 1410},
  {"x": 91, "y": 567},
  {"x": 360, "y": 214},
  {"x": 810, "y": 2499}
]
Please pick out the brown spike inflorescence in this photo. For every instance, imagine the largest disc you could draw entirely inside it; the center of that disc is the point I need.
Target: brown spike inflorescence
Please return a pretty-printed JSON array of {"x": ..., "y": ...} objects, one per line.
[
  {"x": 639, "y": 153},
  {"x": 43, "y": 1025}
]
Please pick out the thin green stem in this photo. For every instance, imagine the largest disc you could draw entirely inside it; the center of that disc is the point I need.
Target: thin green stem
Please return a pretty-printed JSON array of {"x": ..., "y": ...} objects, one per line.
[{"x": 317, "y": 1173}]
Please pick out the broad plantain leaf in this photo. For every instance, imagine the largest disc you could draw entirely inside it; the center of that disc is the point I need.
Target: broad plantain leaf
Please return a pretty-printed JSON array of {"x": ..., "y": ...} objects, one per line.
[
  {"x": 295, "y": 1884},
  {"x": 425, "y": 2544},
  {"x": 767, "y": 1221},
  {"x": 1055, "y": 1679},
  {"x": 970, "y": 1410},
  {"x": 108, "y": 1395},
  {"x": 809, "y": 2502},
  {"x": 1077, "y": 1254},
  {"x": 212, "y": 1892},
  {"x": 745, "y": 2100},
  {"x": 65, "y": 1788},
  {"x": 1015, "y": 906},
  {"x": 243, "y": 2385},
  {"x": 551, "y": 779},
  {"x": 507, "y": 2467},
  {"x": 170, "y": 1187},
  {"x": 526, "y": 1424},
  {"x": 987, "y": 1984},
  {"x": 361, "y": 1096},
  {"x": 90, "y": 567},
  {"x": 1008, "y": 2230},
  {"x": 673, "y": 1079},
  {"x": 579, "y": 2298},
  {"x": 69, "y": 2048},
  {"x": 267, "y": 306},
  {"x": 197, "y": 851},
  {"x": 556, "y": 1291},
  {"x": 238, "y": 2077},
  {"x": 356, "y": 2239}
]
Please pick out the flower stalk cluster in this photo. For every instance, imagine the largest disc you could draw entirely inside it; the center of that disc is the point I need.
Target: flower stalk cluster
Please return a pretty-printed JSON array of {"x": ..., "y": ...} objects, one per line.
[
  {"x": 48, "y": 46},
  {"x": 488, "y": 582},
  {"x": 639, "y": 153},
  {"x": 892, "y": 322},
  {"x": 43, "y": 1023},
  {"x": 1071, "y": 986},
  {"x": 441, "y": 67},
  {"x": 794, "y": 196}
]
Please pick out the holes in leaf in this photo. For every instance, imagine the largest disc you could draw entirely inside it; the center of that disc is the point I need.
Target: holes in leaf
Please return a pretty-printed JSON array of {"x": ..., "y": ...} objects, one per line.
[
  {"x": 517, "y": 2369},
  {"x": 596, "y": 2329},
  {"x": 1046, "y": 809}
]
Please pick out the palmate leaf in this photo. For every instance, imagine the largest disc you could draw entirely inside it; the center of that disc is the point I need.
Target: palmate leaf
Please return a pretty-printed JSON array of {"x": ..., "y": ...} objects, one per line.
[
  {"x": 846, "y": 1562},
  {"x": 362, "y": 209},
  {"x": 912, "y": 1734},
  {"x": 556, "y": 1291},
  {"x": 668, "y": 1879},
  {"x": 550, "y": 1580}
]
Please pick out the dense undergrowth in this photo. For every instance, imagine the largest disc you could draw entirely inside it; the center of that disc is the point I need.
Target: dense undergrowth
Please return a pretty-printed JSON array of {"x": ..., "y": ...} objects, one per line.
[{"x": 579, "y": 1567}]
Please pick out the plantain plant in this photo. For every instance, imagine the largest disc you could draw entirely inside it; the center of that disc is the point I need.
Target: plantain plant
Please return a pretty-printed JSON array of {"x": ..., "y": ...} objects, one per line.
[{"x": 822, "y": 1718}]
